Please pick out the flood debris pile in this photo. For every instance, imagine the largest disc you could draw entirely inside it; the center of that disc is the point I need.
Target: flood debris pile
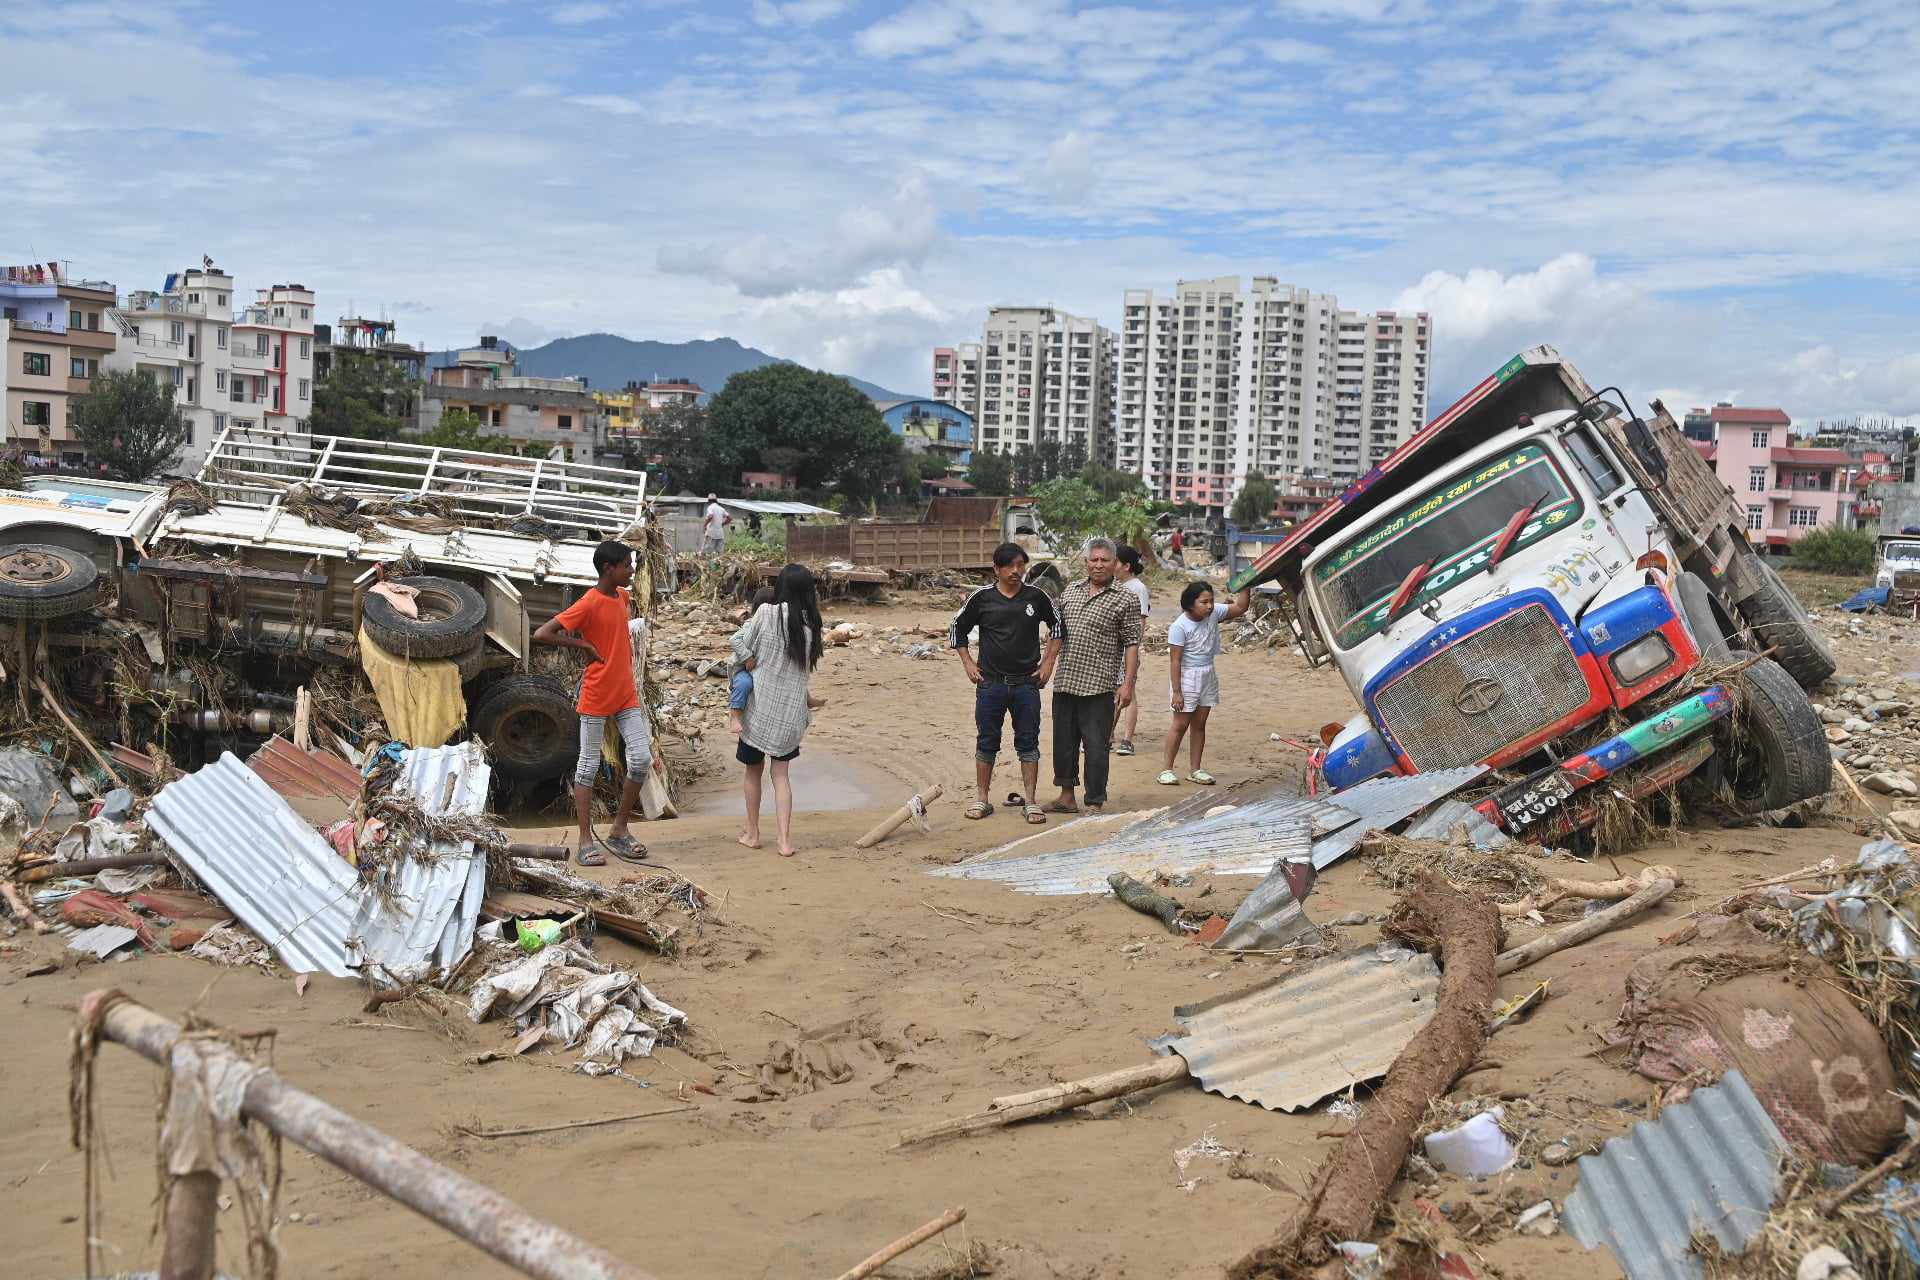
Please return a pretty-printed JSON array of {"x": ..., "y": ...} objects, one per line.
[{"x": 394, "y": 873}]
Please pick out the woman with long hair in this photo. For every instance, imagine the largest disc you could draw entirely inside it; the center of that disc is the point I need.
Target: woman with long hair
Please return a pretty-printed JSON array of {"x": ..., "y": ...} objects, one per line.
[{"x": 783, "y": 641}]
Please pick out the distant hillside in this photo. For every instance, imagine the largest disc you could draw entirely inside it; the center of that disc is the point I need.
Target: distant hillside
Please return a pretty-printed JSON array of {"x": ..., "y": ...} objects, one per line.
[{"x": 608, "y": 361}]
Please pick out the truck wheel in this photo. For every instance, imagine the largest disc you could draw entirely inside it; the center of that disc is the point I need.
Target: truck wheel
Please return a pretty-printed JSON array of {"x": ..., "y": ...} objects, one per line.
[
  {"x": 1696, "y": 602},
  {"x": 530, "y": 727},
  {"x": 39, "y": 581},
  {"x": 1774, "y": 748},
  {"x": 1780, "y": 623},
  {"x": 471, "y": 663},
  {"x": 453, "y": 619}
]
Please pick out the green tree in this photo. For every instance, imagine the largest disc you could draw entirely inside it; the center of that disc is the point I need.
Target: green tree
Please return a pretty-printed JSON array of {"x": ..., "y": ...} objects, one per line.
[
  {"x": 1071, "y": 511},
  {"x": 461, "y": 429},
  {"x": 991, "y": 473},
  {"x": 1111, "y": 482},
  {"x": 693, "y": 456},
  {"x": 129, "y": 421},
  {"x": 1254, "y": 506},
  {"x": 844, "y": 445},
  {"x": 363, "y": 396}
]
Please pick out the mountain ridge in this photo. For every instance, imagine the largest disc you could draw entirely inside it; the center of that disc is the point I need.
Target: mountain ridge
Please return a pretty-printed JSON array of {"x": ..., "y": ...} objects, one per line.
[{"x": 609, "y": 361}]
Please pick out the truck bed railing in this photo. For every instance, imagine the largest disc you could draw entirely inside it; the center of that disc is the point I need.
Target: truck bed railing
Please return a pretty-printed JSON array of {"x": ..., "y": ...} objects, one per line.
[{"x": 482, "y": 486}]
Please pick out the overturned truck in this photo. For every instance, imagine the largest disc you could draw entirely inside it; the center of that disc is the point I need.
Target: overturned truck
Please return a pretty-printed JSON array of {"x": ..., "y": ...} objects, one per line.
[
  {"x": 190, "y": 616},
  {"x": 1545, "y": 583}
]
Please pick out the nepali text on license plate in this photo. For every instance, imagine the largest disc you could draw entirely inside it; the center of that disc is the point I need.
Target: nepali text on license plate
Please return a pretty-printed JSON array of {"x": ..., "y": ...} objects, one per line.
[{"x": 1534, "y": 799}]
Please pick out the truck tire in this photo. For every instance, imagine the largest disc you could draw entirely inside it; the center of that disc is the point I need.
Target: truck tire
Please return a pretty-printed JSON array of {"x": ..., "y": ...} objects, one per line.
[
  {"x": 471, "y": 663},
  {"x": 1780, "y": 623},
  {"x": 530, "y": 727},
  {"x": 1696, "y": 603},
  {"x": 38, "y": 581},
  {"x": 1775, "y": 749},
  {"x": 453, "y": 619}
]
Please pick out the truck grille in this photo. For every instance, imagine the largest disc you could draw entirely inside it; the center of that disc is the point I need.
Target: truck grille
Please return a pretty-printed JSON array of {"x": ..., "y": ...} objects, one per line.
[{"x": 1536, "y": 678}]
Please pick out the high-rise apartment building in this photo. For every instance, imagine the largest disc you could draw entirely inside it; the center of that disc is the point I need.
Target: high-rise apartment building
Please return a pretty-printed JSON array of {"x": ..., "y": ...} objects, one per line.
[
  {"x": 58, "y": 336},
  {"x": 1037, "y": 374},
  {"x": 1215, "y": 382}
]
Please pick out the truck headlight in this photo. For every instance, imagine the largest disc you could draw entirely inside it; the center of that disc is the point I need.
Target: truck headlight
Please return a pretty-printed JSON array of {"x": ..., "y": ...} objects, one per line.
[{"x": 1642, "y": 658}]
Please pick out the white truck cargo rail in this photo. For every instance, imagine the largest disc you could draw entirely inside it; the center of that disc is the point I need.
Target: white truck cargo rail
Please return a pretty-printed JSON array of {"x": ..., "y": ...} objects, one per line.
[{"x": 245, "y": 468}]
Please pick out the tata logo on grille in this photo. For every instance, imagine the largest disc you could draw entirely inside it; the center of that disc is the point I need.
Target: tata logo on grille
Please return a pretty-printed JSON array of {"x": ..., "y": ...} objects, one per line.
[{"x": 1479, "y": 696}]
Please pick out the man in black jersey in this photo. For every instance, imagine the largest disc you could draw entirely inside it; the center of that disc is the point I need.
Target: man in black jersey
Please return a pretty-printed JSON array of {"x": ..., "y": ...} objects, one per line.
[{"x": 1010, "y": 671}]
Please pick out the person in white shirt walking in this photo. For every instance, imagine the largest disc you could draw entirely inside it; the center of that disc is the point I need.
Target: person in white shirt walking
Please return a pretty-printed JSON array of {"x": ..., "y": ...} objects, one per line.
[
  {"x": 713, "y": 527},
  {"x": 1193, "y": 641},
  {"x": 1127, "y": 574}
]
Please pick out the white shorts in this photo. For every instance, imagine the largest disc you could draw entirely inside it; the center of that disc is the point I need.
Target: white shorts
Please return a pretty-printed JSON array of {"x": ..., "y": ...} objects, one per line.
[{"x": 1199, "y": 687}]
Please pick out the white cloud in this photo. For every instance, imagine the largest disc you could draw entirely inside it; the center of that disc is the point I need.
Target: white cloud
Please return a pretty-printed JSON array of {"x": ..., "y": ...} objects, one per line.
[
  {"x": 915, "y": 29},
  {"x": 798, "y": 13},
  {"x": 611, "y": 103},
  {"x": 1480, "y": 302},
  {"x": 1295, "y": 51},
  {"x": 582, "y": 13},
  {"x": 1068, "y": 172}
]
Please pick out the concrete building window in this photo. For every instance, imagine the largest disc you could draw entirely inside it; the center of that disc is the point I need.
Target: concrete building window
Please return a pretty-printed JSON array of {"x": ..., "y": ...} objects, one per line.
[
  {"x": 178, "y": 376},
  {"x": 239, "y": 391},
  {"x": 306, "y": 388},
  {"x": 179, "y": 332},
  {"x": 259, "y": 344},
  {"x": 220, "y": 337},
  {"x": 220, "y": 299},
  {"x": 1803, "y": 517},
  {"x": 78, "y": 367},
  {"x": 75, "y": 320},
  {"x": 1756, "y": 517},
  {"x": 1756, "y": 479},
  {"x": 219, "y": 380},
  {"x": 37, "y": 364},
  {"x": 219, "y": 422},
  {"x": 1761, "y": 439},
  {"x": 306, "y": 313},
  {"x": 566, "y": 422},
  {"x": 36, "y": 413},
  {"x": 306, "y": 348}
]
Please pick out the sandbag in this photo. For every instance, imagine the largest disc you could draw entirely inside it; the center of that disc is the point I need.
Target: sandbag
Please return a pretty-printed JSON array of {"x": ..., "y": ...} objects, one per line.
[{"x": 1731, "y": 1001}]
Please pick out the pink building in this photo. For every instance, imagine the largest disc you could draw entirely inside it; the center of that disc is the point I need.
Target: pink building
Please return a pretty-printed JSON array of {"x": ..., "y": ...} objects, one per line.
[{"x": 1785, "y": 489}]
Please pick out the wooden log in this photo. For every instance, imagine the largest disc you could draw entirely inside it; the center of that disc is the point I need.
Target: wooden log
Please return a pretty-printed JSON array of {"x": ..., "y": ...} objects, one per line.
[
  {"x": 912, "y": 1240},
  {"x": 1353, "y": 1182},
  {"x": 22, "y": 908},
  {"x": 87, "y": 866},
  {"x": 193, "y": 1200},
  {"x": 93, "y": 750},
  {"x": 1145, "y": 900},
  {"x": 1055, "y": 1097},
  {"x": 899, "y": 817},
  {"x": 1593, "y": 890},
  {"x": 1580, "y": 930},
  {"x": 477, "y": 1214}
]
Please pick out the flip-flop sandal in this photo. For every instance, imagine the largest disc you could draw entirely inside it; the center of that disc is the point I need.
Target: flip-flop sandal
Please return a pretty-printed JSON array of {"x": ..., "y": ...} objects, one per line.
[
  {"x": 1168, "y": 778},
  {"x": 1201, "y": 777},
  {"x": 1057, "y": 807},
  {"x": 591, "y": 855},
  {"x": 1035, "y": 815},
  {"x": 627, "y": 849},
  {"x": 1015, "y": 799},
  {"x": 979, "y": 809}
]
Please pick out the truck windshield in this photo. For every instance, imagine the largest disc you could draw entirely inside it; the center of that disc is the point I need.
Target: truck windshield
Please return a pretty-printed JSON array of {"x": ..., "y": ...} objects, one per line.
[
  {"x": 1901, "y": 551},
  {"x": 1454, "y": 525}
]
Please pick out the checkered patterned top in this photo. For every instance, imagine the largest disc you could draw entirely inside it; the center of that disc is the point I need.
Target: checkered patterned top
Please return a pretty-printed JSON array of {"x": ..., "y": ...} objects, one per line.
[{"x": 1101, "y": 624}]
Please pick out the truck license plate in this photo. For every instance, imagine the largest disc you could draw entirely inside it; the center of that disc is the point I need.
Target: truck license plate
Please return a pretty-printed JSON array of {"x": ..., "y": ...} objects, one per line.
[{"x": 1525, "y": 803}]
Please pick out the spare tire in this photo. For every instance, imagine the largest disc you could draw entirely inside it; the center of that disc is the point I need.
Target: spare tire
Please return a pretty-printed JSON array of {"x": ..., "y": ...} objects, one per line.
[
  {"x": 40, "y": 581},
  {"x": 453, "y": 619},
  {"x": 530, "y": 727}
]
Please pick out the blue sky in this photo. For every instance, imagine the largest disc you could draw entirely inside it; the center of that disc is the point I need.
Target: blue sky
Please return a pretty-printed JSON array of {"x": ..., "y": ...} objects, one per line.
[{"x": 1699, "y": 201}]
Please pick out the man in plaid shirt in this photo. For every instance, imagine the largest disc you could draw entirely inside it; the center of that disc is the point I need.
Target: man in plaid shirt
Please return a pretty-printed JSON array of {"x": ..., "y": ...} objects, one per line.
[{"x": 1095, "y": 676}]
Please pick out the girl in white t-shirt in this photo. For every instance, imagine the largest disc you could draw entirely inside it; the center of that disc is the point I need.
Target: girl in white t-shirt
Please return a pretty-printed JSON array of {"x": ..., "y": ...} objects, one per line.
[{"x": 1193, "y": 641}]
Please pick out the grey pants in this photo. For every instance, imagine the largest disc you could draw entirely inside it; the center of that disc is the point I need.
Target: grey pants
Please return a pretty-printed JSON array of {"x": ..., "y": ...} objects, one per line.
[
  {"x": 633, "y": 732},
  {"x": 1082, "y": 722}
]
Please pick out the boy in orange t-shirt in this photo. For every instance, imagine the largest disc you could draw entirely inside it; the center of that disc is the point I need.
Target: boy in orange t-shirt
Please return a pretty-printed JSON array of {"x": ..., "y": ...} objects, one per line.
[{"x": 598, "y": 623}]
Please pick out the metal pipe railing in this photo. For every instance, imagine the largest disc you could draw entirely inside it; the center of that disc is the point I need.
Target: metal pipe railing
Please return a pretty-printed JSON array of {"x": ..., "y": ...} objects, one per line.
[{"x": 477, "y": 1214}]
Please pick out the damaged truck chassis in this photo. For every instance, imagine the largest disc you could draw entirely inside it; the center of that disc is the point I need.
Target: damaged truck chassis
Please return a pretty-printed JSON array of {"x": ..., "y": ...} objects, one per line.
[
  {"x": 1547, "y": 584},
  {"x": 203, "y": 609}
]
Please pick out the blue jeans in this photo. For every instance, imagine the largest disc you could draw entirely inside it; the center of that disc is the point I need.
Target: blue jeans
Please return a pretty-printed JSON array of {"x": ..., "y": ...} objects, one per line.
[
  {"x": 993, "y": 698},
  {"x": 738, "y": 688}
]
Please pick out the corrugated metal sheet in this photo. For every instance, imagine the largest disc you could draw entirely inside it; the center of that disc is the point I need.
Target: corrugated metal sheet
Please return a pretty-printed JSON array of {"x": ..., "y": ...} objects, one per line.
[
  {"x": 305, "y": 774},
  {"x": 1710, "y": 1163},
  {"x": 1287, "y": 1044},
  {"x": 765, "y": 506},
  {"x": 1384, "y": 801},
  {"x": 286, "y": 884},
  {"x": 1245, "y": 847}
]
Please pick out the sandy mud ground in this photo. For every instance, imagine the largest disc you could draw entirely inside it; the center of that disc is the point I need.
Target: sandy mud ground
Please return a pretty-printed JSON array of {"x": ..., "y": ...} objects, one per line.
[{"x": 967, "y": 990}]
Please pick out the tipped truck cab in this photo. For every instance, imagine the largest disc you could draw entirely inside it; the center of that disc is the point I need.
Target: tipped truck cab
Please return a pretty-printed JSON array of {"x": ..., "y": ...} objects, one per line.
[{"x": 1536, "y": 565}]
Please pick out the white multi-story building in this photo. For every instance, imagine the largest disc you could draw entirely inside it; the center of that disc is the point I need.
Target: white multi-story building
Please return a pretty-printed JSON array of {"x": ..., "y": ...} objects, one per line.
[
  {"x": 251, "y": 374},
  {"x": 1037, "y": 374},
  {"x": 1215, "y": 382}
]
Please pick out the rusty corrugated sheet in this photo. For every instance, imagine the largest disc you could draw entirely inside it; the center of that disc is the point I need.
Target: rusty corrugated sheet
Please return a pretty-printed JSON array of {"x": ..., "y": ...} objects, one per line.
[
  {"x": 1710, "y": 1163},
  {"x": 298, "y": 774},
  {"x": 1287, "y": 1044}
]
